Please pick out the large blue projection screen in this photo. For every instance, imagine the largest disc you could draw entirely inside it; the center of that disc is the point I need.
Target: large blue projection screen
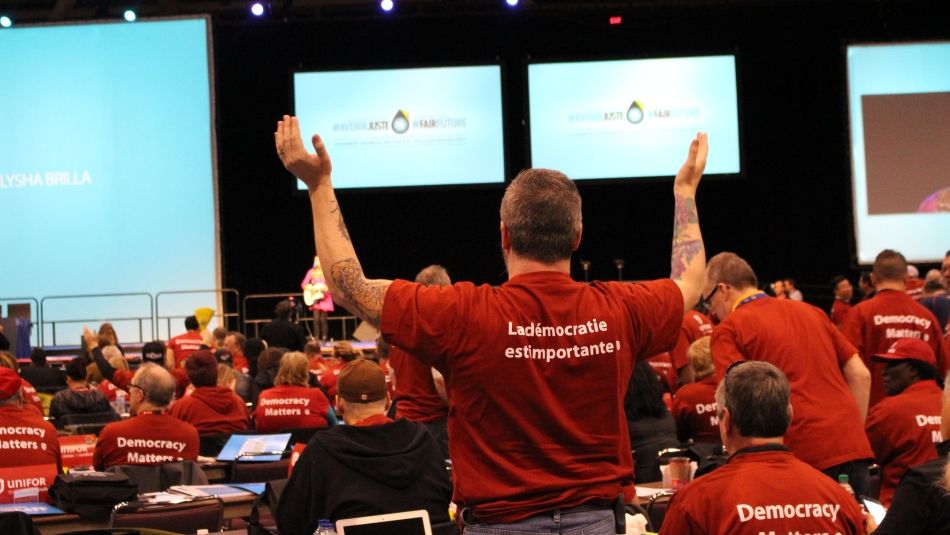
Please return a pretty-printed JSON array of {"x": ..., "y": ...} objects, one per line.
[
  {"x": 106, "y": 169},
  {"x": 406, "y": 127},
  {"x": 632, "y": 118},
  {"x": 899, "y": 103}
]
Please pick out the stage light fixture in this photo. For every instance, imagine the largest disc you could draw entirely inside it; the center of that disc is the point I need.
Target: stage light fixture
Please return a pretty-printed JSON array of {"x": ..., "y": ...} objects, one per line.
[
  {"x": 129, "y": 15},
  {"x": 386, "y": 5},
  {"x": 615, "y": 20},
  {"x": 5, "y": 21},
  {"x": 257, "y": 9},
  {"x": 511, "y": 3}
]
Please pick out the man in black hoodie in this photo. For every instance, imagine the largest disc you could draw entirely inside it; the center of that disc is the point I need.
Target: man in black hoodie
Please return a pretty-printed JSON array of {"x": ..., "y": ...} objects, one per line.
[{"x": 370, "y": 466}]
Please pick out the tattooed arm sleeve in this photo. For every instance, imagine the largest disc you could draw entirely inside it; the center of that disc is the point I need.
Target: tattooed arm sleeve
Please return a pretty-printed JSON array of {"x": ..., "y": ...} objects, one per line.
[{"x": 688, "y": 258}]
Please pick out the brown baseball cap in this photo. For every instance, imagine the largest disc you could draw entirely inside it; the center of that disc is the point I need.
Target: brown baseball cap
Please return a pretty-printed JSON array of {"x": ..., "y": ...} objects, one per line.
[
  {"x": 361, "y": 381},
  {"x": 908, "y": 349}
]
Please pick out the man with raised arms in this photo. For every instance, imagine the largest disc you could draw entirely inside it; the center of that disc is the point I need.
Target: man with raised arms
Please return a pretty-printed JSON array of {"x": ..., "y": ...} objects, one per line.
[
  {"x": 152, "y": 436},
  {"x": 763, "y": 488},
  {"x": 527, "y": 455}
]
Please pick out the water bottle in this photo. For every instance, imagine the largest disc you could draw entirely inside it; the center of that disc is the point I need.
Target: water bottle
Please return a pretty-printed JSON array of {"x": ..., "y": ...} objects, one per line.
[
  {"x": 325, "y": 527},
  {"x": 844, "y": 481},
  {"x": 120, "y": 402}
]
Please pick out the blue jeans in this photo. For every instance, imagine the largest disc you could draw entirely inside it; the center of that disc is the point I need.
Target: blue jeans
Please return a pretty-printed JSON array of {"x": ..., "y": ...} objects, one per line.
[{"x": 598, "y": 522}]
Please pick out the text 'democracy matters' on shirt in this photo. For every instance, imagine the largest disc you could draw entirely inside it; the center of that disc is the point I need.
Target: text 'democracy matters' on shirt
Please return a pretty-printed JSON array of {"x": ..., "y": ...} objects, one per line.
[{"x": 537, "y": 370}]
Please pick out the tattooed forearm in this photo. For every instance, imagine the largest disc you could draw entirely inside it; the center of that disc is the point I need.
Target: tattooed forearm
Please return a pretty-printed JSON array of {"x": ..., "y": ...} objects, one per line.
[
  {"x": 364, "y": 297},
  {"x": 340, "y": 225},
  {"x": 685, "y": 246}
]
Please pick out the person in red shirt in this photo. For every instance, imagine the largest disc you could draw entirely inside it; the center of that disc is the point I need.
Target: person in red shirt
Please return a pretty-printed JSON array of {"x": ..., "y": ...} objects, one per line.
[
  {"x": 829, "y": 381},
  {"x": 153, "y": 352},
  {"x": 694, "y": 407},
  {"x": 843, "y": 291},
  {"x": 29, "y": 449},
  {"x": 418, "y": 397},
  {"x": 527, "y": 363},
  {"x": 152, "y": 436},
  {"x": 28, "y": 394},
  {"x": 292, "y": 403},
  {"x": 234, "y": 343},
  {"x": 695, "y": 326},
  {"x": 210, "y": 408},
  {"x": 904, "y": 426},
  {"x": 343, "y": 354},
  {"x": 873, "y": 325},
  {"x": 183, "y": 345},
  {"x": 763, "y": 488}
]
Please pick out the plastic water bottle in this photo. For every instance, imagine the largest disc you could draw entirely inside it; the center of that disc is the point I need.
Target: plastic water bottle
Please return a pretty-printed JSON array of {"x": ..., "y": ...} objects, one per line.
[
  {"x": 120, "y": 402},
  {"x": 325, "y": 527},
  {"x": 844, "y": 481}
]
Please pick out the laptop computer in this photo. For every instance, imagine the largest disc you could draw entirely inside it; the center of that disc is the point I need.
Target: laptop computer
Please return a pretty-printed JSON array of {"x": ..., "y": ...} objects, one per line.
[
  {"x": 406, "y": 523},
  {"x": 254, "y": 447}
]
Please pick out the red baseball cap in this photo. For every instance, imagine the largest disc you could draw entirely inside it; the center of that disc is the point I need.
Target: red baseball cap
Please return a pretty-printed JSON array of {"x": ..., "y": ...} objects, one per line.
[
  {"x": 909, "y": 349},
  {"x": 9, "y": 383}
]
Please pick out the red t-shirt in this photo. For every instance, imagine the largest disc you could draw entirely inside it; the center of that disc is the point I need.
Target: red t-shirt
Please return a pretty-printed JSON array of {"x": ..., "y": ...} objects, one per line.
[
  {"x": 662, "y": 365},
  {"x": 763, "y": 490},
  {"x": 212, "y": 409},
  {"x": 29, "y": 396},
  {"x": 416, "y": 395},
  {"x": 108, "y": 389},
  {"x": 873, "y": 326},
  {"x": 184, "y": 345},
  {"x": 903, "y": 431},
  {"x": 802, "y": 342},
  {"x": 239, "y": 362},
  {"x": 839, "y": 309},
  {"x": 695, "y": 411},
  {"x": 148, "y": 438},
  {"x": 695, "y": 326},
  {"x": 26, "y": 439},
  {"x": 537, "y": 370},
  {"x": 328, "y": 378},
  {"x": 285, "y": 407}
]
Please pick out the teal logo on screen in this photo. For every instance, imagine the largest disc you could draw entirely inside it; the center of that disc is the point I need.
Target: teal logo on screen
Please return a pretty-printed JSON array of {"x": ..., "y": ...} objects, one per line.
[
  {"x": 635, "y": 112},
  {"x": 401, "y": 122}
]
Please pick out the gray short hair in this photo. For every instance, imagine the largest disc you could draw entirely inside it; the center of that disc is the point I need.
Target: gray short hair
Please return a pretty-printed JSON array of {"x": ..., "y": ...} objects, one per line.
[
  {"x": 434, "y": 275},
  {"x": 157, "y": 384},
  {"x": 542, "y": 211},
  {"x": 757, "y": 397},
  {"x": 731, "y": 269}
]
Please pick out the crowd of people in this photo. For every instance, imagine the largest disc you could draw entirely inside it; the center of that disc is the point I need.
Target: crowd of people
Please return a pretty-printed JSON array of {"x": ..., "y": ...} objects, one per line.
[{"x": 551, "y": 398}]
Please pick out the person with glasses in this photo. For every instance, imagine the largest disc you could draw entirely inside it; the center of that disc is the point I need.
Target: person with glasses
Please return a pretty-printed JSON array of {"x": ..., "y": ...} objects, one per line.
[
  {"x": 830, "y": 384},
  {"x": 763, "y": 488},
  {"x": 151, "y": 436}
]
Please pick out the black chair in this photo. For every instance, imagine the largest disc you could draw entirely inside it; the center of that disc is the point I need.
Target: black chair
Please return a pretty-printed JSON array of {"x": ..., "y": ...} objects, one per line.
[
  {"x": 187, "y": 517},
  {"x": 259, "y": 472},
  {"x": 656, "y": 508},
  {"x": 156, "y": 478},
  {"x": 211, "y": 445},
  {"x": 90, "y": 423}
]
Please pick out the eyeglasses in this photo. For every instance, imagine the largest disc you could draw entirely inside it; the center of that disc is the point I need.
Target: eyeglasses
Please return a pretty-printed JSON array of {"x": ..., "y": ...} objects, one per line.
[
  {"x": 131, "y": 385},
  {"x": 733, "y": 366},
  {"x": 704, "y": 301}
]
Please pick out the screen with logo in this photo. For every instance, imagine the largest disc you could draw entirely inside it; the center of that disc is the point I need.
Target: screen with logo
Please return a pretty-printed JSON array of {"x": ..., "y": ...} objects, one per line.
[
  {"x": 106, "y": 171},
  {"x": 899, "y": 113},
  {"x": 632, "y": 118},
  {"x": 406, "y": 127}
]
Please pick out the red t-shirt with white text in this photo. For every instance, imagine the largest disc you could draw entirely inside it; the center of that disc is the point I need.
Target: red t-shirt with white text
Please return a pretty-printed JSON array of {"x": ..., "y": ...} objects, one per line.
[
  {"x": 875, "y": 324},
  {"x": 801, "y": 341},
  {"x": 184, "y": 345},
  {"x": 146, "y": 439},
  {"x": 694, "y": 410},
  {"x": 286, "y": 407},
  {"x": 903, "y": 431},
  {"x": 537, "y": 370},
  {"x": 763, "y": 490}
]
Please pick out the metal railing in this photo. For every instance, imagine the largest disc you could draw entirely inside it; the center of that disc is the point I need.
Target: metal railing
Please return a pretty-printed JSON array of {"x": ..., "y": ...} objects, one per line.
[{"x": 44, "y": 322}]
